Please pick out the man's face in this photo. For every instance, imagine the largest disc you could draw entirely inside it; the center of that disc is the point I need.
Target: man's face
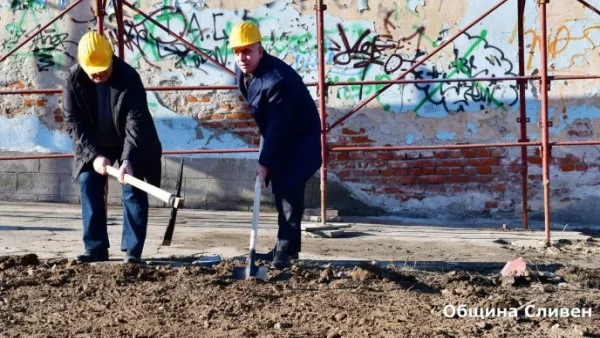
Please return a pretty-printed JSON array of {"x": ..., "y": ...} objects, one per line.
[
  {"x": 102, "y": 77},
  {"x": 247, "y": 57}
]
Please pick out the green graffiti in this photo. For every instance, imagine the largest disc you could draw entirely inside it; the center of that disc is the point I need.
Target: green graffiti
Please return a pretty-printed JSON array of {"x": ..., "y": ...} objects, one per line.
[
  {"x": 460, "y": 67},
  {"x": 27, "y": 4}
]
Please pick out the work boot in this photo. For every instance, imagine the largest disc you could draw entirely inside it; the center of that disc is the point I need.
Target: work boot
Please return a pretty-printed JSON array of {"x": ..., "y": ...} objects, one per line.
[
  {"x": 90, "y": 256},
  {"x": 132, "y": 258},
  {"x": 281, "y": 260}
]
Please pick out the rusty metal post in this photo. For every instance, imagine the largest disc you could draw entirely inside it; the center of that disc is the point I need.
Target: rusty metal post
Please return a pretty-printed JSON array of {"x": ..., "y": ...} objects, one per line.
[
  {"x": 523, "y": 110},
  {"x": 544, "y": 87},
  {"x": 322, "y": 89},
  {"x": 99, "y": 17},
  {"x": 120, "y": 29}
]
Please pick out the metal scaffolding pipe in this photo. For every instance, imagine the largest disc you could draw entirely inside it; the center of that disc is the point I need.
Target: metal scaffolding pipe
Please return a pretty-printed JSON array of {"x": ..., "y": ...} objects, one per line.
[
  {"x": 60, "y": 15},
  {"x": 474, "y": 79},
  {"x": 544, "y": 86},
  {"x": 429, "y": 147},
  {"x": 178, "y": 38},
  {"x": 99, "y": 17},
  {"x": 586, "y": 4},
  {"x": 322, "y": 89},
  {"x": 434, "y": 52},
  {"x": 523, "y": 112},
  {"x": 120, "y": 29}
]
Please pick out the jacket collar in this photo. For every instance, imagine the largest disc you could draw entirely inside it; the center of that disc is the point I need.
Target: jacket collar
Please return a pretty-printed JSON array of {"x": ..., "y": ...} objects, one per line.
[{"x": 256, "y": 83}]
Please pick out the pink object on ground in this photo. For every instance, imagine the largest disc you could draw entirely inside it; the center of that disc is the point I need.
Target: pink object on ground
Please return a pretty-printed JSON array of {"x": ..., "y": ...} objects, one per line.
[{"x": 516, "y": 267}]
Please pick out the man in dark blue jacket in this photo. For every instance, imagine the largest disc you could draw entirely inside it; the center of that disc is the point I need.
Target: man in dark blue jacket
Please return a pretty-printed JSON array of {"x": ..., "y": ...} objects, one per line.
[
  {"x": 288, "y": 120},
  {"x": 107, "y": 117}
]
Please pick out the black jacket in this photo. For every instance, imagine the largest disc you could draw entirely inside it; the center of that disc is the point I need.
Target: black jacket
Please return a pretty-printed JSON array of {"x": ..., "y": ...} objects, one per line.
[
  {"x": 138, "y": 139},
  {"x": 288, "y": 120}
]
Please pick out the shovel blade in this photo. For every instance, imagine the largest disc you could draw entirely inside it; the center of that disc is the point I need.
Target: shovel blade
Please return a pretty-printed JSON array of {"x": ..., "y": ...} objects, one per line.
[{"x": 243, "y": 273}]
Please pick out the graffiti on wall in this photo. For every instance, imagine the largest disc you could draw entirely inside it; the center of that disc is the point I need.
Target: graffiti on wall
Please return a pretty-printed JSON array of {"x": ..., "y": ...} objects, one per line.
[{"x": 355, "y": 51}]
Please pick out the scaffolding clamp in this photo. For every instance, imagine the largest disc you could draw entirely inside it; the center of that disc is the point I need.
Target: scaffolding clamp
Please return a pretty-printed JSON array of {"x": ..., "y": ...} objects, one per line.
[
  {"x": 527, "y": 119},
  {"x": 323, "y": 8},
  {"x": 539, "y": 124},
  {"x": 543, "y": 2}
]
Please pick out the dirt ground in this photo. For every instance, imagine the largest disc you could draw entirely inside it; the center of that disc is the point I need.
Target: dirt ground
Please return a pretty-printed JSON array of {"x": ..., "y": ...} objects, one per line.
[{"x": 61, "y": 298}]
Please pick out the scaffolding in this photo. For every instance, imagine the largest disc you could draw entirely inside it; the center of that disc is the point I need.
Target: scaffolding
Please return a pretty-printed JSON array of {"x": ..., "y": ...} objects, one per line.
[{"x": 322, "y": 85}]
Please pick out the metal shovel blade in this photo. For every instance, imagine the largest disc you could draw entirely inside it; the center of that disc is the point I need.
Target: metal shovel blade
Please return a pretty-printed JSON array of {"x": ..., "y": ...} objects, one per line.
[{"x": 250, "y": 270}]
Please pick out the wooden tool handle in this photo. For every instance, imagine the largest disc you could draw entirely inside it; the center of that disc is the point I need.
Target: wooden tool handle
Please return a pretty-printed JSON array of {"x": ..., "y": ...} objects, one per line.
[{"x": 162, "y": 195}]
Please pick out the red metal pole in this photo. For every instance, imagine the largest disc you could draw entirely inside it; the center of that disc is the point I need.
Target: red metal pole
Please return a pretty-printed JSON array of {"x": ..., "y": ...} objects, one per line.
[
  {"x": 60, "y": 15},
  {"x": 322, "y": 88},
  {"x": 478, "y": 79},
  {"x": 586, "y": 4},
  {"x": 523, "y": 111},
  {"x": 544, "y": 111},
  {"x": 120, "y": 29},
  {"x": 447, "y": 42},
  {"x": 99, "y": 17},
  {"x": 178, "y": 38},
  {"x": 436, "y": 146}
]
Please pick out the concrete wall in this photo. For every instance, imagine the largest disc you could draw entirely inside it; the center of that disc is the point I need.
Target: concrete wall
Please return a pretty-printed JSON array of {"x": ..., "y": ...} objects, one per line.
[{"x": 365, "y": 39}]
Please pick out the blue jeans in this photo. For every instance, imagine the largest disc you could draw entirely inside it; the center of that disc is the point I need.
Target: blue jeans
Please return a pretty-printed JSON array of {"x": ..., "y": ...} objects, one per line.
[{"x": 135, "y": 214}]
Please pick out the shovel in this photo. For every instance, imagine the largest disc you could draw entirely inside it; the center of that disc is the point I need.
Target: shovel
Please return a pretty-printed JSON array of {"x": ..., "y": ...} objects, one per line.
[{"x": 251, "y": 270}]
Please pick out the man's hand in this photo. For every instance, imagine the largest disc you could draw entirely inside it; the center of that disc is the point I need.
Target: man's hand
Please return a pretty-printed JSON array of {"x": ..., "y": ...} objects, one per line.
[
  {"x": 124, "y": 169},
  {"x": 100, "y": 163},
  {"x": 261, "y": 173}
]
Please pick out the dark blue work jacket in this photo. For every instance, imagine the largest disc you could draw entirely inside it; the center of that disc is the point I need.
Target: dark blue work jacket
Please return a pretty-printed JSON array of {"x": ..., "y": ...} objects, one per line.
[{"x": 288, "y": 120}]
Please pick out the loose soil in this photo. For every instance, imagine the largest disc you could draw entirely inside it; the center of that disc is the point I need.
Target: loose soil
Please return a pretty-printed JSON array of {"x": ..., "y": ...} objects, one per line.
[{"x": 61, "y": 298}]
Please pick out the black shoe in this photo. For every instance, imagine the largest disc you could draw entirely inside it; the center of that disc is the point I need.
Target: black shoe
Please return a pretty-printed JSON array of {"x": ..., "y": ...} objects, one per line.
[
  {"x": 281, "y": 260},
  {"x": 90, "y": 256},
  {"x": 132, "y": 258}
]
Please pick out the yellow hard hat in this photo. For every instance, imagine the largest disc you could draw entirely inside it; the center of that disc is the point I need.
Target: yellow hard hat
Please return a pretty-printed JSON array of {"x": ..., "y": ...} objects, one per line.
[
  {"x": 243, "y": 34},
  {"x": 94, "y": 53}
]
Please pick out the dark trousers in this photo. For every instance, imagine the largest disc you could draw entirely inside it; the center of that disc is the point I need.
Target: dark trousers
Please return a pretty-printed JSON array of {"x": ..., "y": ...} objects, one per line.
[
  {"x": 290, "y": 208},
  {"x": 135, "y": 213}
]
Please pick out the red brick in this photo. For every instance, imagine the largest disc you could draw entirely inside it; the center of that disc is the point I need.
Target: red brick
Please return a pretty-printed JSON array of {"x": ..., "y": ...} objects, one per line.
[
  {"x": 372, "y": 172},
  {"x": 399, "y": 156},
  {"x": 413, "y": 155},
  {"x": 361, "y": 139},
  {"x": 514, "y": 168},
  {"x": 379, "y": 163},
  {"x": 436, "y": 189},
  {"x": 404, "y": 180},
  {"x": 460, "y": 162},
  {"x": 482, "y": 152},
  {"x": 41, "y": 103},
  {"x": 581, "y": 167},
  {"x": 499, "y": 188},
  {"x": 484, "y": 170},
  {"x": 58, "y": 118},
  {"x": 423, "y": 163},
  {"x": 349, "y": 165},
  {"x": 455, "y": 170},
  {"x": 343, "y": 156},
  {"x": 348, "y": 131},
  {"x": 391, "y": 190},
  {"x": 239, "y": 116},
  {"x": 483, "y": 179},
  {"x": 483, "y": 162},
  {"x": 29, "y": 102},
  {"x": 397, "y": 164},
  {"x": 191, "y": 99},
  {"x": 491, "y": 204},
  {"x": 567, "y": 167},
  {"x": 497, "y": 169},
  {"x": 385, "y": 155},
  {"x": 457, "y": 189},
  {"x": 534, "y": 159},
  {"x": 428, "y": 171},
  {"x": 442, "y": 171},
  {"x": 456, "y": 153},
  {"x": 205, "y": 99},
  {"x": 415, "y": 171},
  {"x": 387, "y": 172},
  {"x": 470, "y": 153},
  {"x": 440, "y": 154}
]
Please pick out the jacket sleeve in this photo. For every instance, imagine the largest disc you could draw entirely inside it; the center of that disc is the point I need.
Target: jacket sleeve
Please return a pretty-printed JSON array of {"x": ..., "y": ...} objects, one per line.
[
  {"x": 138, "y": 122},
  {"x": 78, "y": 128},
  {"x": 280, "y": 101}
]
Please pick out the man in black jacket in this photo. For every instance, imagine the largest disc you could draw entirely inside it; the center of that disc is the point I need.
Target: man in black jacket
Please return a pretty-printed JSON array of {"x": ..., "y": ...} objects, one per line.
[
  {"x": 288, "y": 120},
  {"x": 106, "y": 114}
]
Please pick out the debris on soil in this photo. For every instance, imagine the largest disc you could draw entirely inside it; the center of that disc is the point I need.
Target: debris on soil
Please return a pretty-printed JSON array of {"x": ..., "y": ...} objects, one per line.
[{"x": 64, "y": 298}]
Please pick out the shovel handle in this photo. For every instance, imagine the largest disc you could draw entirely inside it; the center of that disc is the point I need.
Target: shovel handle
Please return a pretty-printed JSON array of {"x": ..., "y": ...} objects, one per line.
[
  {"x": 255, "y": 214},
  {"x": 165, "y": 196}
]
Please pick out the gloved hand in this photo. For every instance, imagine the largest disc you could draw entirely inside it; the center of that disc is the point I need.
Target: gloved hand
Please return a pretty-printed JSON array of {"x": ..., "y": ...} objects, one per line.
[
  {"x": 125, "y": 169},
  {"x": 100, "y": 163}
]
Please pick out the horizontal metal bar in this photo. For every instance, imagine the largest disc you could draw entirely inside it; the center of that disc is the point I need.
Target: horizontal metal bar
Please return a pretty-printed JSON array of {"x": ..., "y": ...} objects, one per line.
[{"x": 437, "y": 146}]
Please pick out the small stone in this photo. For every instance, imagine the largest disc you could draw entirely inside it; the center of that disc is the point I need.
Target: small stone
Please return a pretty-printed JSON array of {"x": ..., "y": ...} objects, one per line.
[
  {"x": 339, "y": 317},
  {"x": 206, "y": 324},
  {"x": 484, "y": 325},
  {"x": 282, "y": 325}
]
